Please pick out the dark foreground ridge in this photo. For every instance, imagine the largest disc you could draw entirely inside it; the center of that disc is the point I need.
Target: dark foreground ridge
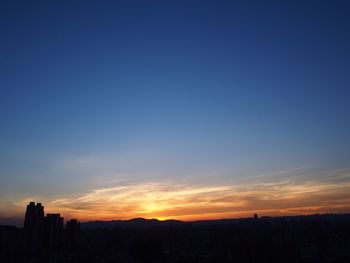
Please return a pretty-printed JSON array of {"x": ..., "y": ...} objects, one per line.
[{"x": 310, "y": 239}]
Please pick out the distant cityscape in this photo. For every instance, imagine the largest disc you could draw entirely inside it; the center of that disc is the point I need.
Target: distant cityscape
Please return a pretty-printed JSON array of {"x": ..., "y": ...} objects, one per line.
[{"x": 295, "y": 239}]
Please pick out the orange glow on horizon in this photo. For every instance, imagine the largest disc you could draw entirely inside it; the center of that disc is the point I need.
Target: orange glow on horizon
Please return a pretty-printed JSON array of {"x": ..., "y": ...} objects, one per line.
[{"x": 165, "y": 201}]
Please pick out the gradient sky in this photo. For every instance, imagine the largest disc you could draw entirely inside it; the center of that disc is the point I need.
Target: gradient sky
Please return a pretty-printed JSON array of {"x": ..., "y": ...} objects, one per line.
[{"x": 174, "y": 109}]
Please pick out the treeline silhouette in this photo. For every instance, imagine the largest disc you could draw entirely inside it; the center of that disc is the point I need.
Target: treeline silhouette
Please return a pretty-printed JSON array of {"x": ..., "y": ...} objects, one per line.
[{"x": 310, "y": 239}]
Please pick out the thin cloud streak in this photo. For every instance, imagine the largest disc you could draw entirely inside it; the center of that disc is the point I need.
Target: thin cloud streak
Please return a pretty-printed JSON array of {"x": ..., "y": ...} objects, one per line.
[{"x": 165, "y": 200}]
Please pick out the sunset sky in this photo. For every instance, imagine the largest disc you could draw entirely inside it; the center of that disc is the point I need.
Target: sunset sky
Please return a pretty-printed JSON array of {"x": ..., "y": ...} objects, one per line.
[{"x": 174, "y": 109}]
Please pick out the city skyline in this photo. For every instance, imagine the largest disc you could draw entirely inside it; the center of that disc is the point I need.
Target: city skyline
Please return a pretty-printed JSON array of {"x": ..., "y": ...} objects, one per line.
[{"x": 174, "y": 110}]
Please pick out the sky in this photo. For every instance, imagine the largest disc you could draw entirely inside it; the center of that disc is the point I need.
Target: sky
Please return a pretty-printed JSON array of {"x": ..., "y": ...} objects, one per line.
[{"x": 174, "y": 109}]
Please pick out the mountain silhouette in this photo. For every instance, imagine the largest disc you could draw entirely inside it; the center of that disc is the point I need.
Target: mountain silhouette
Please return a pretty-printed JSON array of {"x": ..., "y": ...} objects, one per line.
[{"x": 135, "y": 222}]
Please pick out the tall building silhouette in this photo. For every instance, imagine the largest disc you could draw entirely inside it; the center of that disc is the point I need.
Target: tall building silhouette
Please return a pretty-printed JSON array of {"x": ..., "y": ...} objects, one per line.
[
  {"x": 34, "y": 228},
  {"x": 53, "y": 231},
  {"x": 72, "y": 234},
  {"x": 45, "y": 234}
]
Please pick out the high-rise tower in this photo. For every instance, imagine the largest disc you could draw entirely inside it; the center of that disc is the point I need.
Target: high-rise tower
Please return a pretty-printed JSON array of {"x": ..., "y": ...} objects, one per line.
[
  {"x": 53, "y": 231},
  {"x": 72, "y": 234},
  {"x": 34, "y": 228}
]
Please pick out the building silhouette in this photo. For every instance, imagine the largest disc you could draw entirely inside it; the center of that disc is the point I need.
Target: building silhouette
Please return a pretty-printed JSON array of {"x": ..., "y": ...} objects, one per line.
[
  {"x": 53, "y": 237},
  {"x": 72, "y": 234},
  {"x": 34, "y": 228},
  {"x": 45, "y": 233}
]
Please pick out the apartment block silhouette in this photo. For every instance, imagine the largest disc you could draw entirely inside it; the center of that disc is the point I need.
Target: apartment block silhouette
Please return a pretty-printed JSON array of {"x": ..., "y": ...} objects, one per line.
[
  {"x": 53, "y": 237},
  {"x": 34, "y": 228},
  {"x": 46, "y": 233},
  {"x": 72, "y": 234}
]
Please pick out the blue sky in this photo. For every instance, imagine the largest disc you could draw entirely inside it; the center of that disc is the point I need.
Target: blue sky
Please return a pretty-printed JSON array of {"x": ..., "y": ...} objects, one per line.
[{"x": 184, "y": 92}]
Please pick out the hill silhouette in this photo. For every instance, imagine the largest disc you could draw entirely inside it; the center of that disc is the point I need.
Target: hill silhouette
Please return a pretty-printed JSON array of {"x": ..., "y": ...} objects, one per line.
[{"x": 135, "y": 222}]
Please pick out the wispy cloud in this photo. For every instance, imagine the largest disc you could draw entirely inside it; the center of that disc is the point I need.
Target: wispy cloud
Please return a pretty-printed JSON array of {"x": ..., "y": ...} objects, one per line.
[{"x": 267, "y": 195}]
